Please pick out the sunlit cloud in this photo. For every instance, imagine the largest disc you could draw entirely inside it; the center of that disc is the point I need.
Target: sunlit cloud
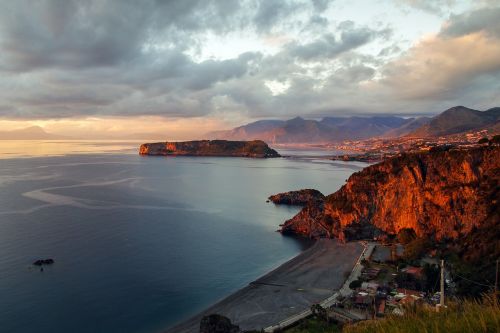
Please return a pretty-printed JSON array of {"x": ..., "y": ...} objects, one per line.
[{"x": 142, "y": 127}]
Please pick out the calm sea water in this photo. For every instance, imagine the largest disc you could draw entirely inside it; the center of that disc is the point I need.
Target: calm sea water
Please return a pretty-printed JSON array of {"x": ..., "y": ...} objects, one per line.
[{"x": 139, "y": 243}]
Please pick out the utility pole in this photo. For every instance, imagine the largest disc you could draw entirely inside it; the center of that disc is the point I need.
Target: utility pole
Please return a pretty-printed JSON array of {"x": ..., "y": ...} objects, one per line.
[{"x": 441, "y": 300}]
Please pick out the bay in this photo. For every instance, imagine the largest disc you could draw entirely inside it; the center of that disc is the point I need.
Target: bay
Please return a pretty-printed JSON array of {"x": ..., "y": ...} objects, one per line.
[{"x": 139, "y": 243}]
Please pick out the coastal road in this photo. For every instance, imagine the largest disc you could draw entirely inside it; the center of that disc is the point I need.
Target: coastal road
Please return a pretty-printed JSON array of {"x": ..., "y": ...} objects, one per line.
[{"x": 328, "y": 302}]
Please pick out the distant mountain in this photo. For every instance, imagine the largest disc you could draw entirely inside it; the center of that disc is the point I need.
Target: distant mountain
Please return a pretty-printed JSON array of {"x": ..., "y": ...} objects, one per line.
[
  {"x": 29, "y": 133},
  {"x": 261, "y": 129},
  {"x": 457, "y": 120},
  {"x": 356, "y": 128},
  {"x": 335, "y": 129},
  {"x": 409, "y": 126},
  {"x": 329, "y": 129}
]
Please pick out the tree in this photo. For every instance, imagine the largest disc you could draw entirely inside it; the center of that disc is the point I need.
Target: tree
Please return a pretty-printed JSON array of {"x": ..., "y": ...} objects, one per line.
[
  {"x": 483, "y": 140},
  {"x": 319, "y": 312},
  {"x": 495, "y": 139},
  {"x": 405, "y": 280},
  {"x": 406, "y": 235},
  {"x": 416, "y": 248},
  {"x": 431, "y": 274},
  {"x": 355, "y": 284}
]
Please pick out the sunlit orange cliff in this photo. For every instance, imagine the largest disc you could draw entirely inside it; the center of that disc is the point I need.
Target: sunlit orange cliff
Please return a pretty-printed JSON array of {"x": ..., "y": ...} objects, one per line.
[{"x": 440, "y": 194}]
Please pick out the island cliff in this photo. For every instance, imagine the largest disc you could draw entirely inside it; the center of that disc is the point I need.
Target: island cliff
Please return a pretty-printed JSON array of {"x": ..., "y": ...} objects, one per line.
[
  {"x": 440, "y": 194},
  {"x": 255, "y": 149}
]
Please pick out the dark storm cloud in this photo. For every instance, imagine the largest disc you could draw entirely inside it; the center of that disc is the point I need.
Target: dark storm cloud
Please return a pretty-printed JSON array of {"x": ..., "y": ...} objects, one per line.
[
  {"x": 183, "y": 74},
  {"x": 128, "y": 57},
  {"x": 8, "y": 110},
  {"x": 61, "y": 98},
  {"x": 77, "y": 34},
  {"x": 329, "y": 46},
  {"x": 486, "y": 20},
  {"x": 273, "y": 12},
  {"x": 67, "y": 34},
  {"x": 321, "y": 5}
]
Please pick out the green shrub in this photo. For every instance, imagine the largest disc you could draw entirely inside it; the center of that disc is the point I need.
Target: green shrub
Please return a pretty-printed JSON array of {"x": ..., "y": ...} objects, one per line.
[{"x": 355, "y": 284}]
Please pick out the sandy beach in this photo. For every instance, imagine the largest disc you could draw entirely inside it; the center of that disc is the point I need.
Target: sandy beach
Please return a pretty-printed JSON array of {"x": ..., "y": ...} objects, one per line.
[{"x": 306, "y": 279}]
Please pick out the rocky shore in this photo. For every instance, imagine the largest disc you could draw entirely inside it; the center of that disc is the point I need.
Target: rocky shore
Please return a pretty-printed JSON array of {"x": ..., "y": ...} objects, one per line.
[{"x": 223, "y": 148}]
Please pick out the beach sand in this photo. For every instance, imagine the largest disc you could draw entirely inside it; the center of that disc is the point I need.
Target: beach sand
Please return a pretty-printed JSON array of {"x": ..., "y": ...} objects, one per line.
[{"x": 291, "y": 288}]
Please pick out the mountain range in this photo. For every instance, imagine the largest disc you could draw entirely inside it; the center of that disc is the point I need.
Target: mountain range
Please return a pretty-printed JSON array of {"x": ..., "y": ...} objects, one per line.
[
  {"x": 334, "y": 129},
  {"x": 459, "y": 119},
  {"x": 38, "y": 133},
  {"x": 29, "y": 133}
]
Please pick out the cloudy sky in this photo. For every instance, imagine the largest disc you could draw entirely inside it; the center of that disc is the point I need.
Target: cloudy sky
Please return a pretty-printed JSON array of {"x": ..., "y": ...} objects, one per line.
[{"x": 96, "y": 67}]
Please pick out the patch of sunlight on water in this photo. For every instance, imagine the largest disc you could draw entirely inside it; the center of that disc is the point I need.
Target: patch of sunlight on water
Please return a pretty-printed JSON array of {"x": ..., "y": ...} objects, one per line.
[{"x": 35, "y": 148}]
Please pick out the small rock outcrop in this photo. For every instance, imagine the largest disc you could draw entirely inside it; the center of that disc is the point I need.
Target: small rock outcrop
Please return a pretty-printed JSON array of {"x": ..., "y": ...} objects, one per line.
[
  {"x": 443, "y": 194},
  {"x": 297, "y": 198},
  {"x": 217, "y": 324},
  {"x": 41, "y": 262},
  {"x": 255, "y": 149}
]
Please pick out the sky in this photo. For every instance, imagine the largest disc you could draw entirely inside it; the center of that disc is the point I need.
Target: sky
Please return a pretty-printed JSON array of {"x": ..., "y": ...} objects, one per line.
[{"x": 92, "y": 68}]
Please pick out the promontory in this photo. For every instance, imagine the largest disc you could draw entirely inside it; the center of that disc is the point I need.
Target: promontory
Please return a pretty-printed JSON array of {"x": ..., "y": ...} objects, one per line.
[
  {"x": 254, "y": 149},
  {"x": 442, "y": 194}
]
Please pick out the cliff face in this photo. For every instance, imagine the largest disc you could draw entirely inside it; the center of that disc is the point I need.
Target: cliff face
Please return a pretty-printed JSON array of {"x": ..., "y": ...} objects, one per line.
[
  {"x": 444, "y": 194},
  {"x": 256, "y": 148}
]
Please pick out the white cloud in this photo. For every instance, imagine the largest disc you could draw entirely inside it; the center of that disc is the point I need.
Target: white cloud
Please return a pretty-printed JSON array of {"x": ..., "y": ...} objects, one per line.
[{"x": 277, "y": 87}]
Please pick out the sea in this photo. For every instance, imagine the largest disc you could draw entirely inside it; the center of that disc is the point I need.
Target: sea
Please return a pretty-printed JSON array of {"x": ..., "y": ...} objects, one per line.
[{"x": 139, "y": 243}]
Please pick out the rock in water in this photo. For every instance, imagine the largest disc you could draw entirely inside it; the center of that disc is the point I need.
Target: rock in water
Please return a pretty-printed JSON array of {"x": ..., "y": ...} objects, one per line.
[
  {"x": 217, "y": 324},
  {"x": 41, "y": 262},
  {"x": 255, "y": 149},
  {"x": 297, "y": 198}
]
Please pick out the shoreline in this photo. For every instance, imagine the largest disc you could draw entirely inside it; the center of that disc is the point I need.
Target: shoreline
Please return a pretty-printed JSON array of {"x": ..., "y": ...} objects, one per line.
[{"x": 310, "y": 277}]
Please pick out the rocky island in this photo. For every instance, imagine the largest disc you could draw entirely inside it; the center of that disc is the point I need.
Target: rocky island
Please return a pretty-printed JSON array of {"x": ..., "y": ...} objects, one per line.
[
  {"x": 439, "y": 194},
  {"x": 297, "y": 198},
  {"x": 253, "y": 149}
]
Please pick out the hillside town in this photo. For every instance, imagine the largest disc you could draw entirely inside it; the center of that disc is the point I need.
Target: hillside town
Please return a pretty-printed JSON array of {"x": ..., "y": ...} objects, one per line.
[
  {"x": 398, "y": 275},
  {"x": 375, "y": 150}
]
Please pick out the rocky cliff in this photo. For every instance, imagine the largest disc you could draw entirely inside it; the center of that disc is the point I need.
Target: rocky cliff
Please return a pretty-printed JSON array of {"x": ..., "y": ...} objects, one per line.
[
  {"x": 441, "y": 194},
  {"x": 256, "y": 148}
]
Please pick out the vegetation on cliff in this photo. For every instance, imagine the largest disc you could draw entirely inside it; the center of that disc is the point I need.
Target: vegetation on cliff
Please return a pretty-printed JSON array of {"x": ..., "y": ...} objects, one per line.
[
  {"x": 460, "y": 316},
  {"x": 256, "y": 148}
]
